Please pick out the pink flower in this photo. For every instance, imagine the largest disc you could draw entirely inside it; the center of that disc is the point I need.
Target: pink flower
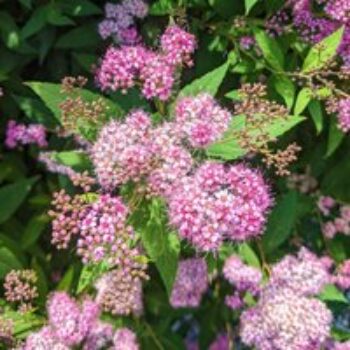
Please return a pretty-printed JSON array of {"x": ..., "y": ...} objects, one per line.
[{"x": 125, "y": 339}]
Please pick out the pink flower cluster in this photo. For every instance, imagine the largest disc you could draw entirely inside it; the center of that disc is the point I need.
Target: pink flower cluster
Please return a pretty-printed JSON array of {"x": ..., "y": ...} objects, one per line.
[
  {"x": 218, "y": 203},
  {"x": 20, "y": 134},
  {"x": 136, "y": 151},
  {"x": 125, "y": 339},
  {"x": 121, "y": 68},
  {"x": 287, "y": 314},
  {"x": 222, "y": 342},
  {"x": 247, "y": 42},
  {"x": 244, "y": 278},
  {"x": 338, "y": 217},
  {"x": 342, "y": 275},
  {"x": 119, "y": 22},
  {"x": 344, "y": 114},
  {"x": 283, "y": 319},
  {"x": 201, "y": 120},
  {"x": 71, "y": 325},
  {"x": 190, "y": 284}
]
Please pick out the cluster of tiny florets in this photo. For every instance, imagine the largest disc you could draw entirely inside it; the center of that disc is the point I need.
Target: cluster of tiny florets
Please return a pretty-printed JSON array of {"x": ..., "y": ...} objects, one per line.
[
  {"x": 20, "y": 134},
  {"x": 337, "y": 217},
  {"x": 221, "y": 342},
  {"x": 287, "y": 314},
  {"x": 71, "y": 324},
  {"x": 121, "y": 68},
  {"x": 190, "y": 284},
  {"x": 342, "y": 275},
  {"x": 343, "y": 114},
  {"x": 218, "y": 203},
  {"x": 20, "y": 288},
  {"x": 125, "y": 339},
  {"x": 119, "y": 21},
  {"x": 201, "y": 120}
]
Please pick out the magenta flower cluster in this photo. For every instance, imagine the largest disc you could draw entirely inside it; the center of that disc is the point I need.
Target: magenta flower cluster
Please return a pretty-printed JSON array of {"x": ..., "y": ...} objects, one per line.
[
  {"x": 343, "y": 114},
  {"x": 190, "y": 284},
  {"x": 287, "y": 314},
  {"x": 244, "y": 278},
  {"x": 119, "y": 21},
  {"x": 220, "y": 202},
  {"x": 337, "y": 217},
  {"x": 123, "y": 68},
  {"x": 342, "y": 276},
  {"x": 20, "y": 134},
  {"x": 71, "y": 325}
]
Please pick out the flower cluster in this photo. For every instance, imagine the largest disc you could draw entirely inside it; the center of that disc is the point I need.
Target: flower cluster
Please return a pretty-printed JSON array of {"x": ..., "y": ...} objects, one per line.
[
  {"x": 20, "y": 288},
  {"x": 190, "y": 284},
  {"x": 20, "y": 134},
  {"x": 119, "y": 21},
  {"x": 342, "y": 276},
  {"x": 201, "y": 120},
  {"x": 136, "y": 151},
  {"x": 222, "y": 342},
  {"x": 6, "y": 331},
  {"x": 243, "y": 277},
  {"x": 71, "y": 324},
  {"x": 343, "y": 114},
  {"x": 121, "y": 68},
  {"x": 287, "y": 315},
  {"x": 120, "y": 291},
  {"x": 218, "y": 203},
  {"x": 125, "y": 339},
  {"x": 337, "y": 217}
]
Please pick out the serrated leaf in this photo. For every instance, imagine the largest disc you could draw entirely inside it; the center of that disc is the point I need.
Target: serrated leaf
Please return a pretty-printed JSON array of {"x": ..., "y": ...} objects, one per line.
[
  {"x": 286, "y": 88},
  {"x": 281, "y": 222},
  {"x": 209, "y": 82},
  {"x": 249, "y": 4},
  {"x": 270, "y": 50},
  {"x": 323, "y": 52},
  {"x": 229, "y": 149},
  {"x": 316, "y": 113},
  {"x": 12, "y": 196},
  {"x": 303, "y": 99},
  {"x": 332, "y": 293}
]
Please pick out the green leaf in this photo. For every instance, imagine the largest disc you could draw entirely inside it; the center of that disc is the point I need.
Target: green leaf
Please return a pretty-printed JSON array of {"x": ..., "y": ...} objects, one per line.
[
  {"x": 249, "y": 4},
  {"x": 233, "y": 95},
  {"x": 12, "y": 196},
  {"x": 281, "y": 222},
  {"x": 85, "y": 60},
  {"x": 42, "y": 283},
  {"x": 161, "y": 8},
  {"x": 286, "y": 88},
  {"x": 35, "y": 110},
  {"x": 81, "y": 37},
  {"x": 67, "y": 280},
  {"x": 316, "y": 113},
  {"x": 270, "y": 50},
  {"x": 323, "y": 52},
  {"x": 8, "y": 261},
  {"x": 229, "y": 149},
  {"x": 56, "y": 17},
  {"x": 35, "y": 23},
  {"x": 209, "y": 82},
  {"x": 26, "y": 3},
  {"x": 51, "y": 95},
  {"x": 335, "y": 137},
  {"x": 9, "y": 31},
  {"x": 74, "y": 159},
  {"x": 303, "y": 99},
  {"x": 163, "y": 247},
  {"x": 90, "y": 273},
  {"x": 248, "y": 255},
  {"x": 33, "y": 230},
  {"x": 332, "y": 293}
]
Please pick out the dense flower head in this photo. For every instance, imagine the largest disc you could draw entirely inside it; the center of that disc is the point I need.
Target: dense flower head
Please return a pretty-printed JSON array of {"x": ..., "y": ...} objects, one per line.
[
  {"x": 125, "y": 339},
  {"x": 178, "y": 45},
  {"x": 120, "y": 293},
  {"x": 218, "y": 203},
  {"x": 241, "y": 276},
  {"x": 201, "y": 119},
  {"x": 339, "y": 10},
  {"x": 190, "y": 284},
  {"x": 122, "y": 68},
  {"x": 283, "y": 319},
  {"x": 305, "y": 274},
  {"x": 100, "y": 336},
  {"x": 120, "y": 20},
  {"x": 246, "y": 42},
  {"x": 44, "y": 339},
  {"x": 103, "y": 231},
  {"x": 20, "y": 134},
  {"x": 344, "y": 115},
  {"x": 339, "y": 346},
  {"x": 325, "y": 204},
  {"x": 20, "y": 288},
  {"x": 69, "y": 322}
]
